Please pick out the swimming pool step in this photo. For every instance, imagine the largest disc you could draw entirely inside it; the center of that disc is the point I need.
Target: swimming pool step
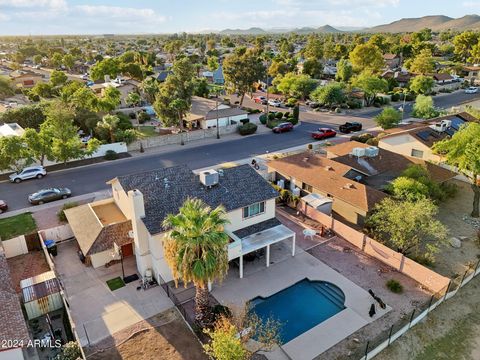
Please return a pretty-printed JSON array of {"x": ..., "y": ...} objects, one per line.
[{"x": 331, "y": 293}]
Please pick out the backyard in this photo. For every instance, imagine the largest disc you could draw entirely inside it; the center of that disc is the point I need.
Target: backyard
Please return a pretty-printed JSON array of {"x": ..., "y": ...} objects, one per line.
[{"x": 17, "y": 225}]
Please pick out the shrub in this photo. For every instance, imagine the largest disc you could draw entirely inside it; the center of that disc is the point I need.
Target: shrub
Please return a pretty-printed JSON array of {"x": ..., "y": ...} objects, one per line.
[
  {"x": 271, "y": 116},
  {"x": 279, "y": 115},
  {"x": 271, "y": 124},
  {"x": 61, "y": 214},
  {"x": 354, "y": 104},
  {"x": 111, "y": 155},
  {"x": 291, "y": 102},
  {"x": 363, "y": 138},
  {"x": 395, "y": 97},
  {"x": 394, "y": 286},
  {"x": 247, "y": 129},
  {"x": 292, "y": 120},
  {"x": 143, "y": 117},
  {"x": 263, "y": 119},
  {"x": 244, "y": 121}
]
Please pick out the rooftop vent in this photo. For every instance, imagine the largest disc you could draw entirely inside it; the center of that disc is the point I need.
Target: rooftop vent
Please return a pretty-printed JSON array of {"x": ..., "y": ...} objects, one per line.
[
  {"x": 329, "y": 168},
  {"x": 209, "y": 178},
  {"x": 371, "y": 151},
  {"x": 305, "y": 159},
  {"x": 349, "y": 186},
  {"x": 441, "y": 126},
  {"x": 358, "y": 152}
]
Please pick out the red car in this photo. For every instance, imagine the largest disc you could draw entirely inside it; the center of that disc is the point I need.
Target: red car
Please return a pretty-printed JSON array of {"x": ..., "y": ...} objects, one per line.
[
  {"x": 260, "y": 100},
  {"x": 283, "y": 127},
  {"x": 3, "y": 206},
  {"x": 324, "y": 133}
]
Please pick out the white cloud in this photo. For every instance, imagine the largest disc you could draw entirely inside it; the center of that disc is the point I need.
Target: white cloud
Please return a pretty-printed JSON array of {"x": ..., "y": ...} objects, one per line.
[
  {"x": 117, "y": 12},
  {"x": 51, "y": 4},
  {"x": 471, "y": 4}
]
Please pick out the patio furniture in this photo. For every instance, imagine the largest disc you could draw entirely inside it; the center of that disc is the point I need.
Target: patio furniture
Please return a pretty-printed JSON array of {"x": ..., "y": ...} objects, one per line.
[{"x": 309, "y": 233}]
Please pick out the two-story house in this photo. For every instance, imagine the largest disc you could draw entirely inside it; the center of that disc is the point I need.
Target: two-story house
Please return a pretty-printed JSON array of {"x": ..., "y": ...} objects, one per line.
[{"x": 140, "y": 202}]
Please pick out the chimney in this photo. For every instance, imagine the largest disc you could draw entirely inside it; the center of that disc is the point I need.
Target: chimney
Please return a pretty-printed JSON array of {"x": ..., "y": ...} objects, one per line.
[{"x": 140, "y": 235}]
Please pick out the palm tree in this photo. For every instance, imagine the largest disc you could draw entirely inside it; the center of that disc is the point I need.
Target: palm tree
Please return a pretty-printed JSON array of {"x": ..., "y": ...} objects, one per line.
[
  {"x": 195, "y": 249},
  {"x": 109, "y": 123}
]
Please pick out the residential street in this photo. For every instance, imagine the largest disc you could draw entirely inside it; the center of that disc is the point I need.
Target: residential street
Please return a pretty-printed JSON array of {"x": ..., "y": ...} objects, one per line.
[{"x": 92, "y": 178}]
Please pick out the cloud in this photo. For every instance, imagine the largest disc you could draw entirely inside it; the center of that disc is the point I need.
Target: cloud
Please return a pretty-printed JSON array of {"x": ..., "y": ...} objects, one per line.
[
  {"x": 471, "y": 4},
  {"x": 117, "y": 12},
  {"x": 51, "y": 4}
]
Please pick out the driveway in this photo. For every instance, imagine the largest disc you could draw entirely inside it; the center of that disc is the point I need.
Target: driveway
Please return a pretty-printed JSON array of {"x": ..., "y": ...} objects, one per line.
[{"x": 97, "y": 311}]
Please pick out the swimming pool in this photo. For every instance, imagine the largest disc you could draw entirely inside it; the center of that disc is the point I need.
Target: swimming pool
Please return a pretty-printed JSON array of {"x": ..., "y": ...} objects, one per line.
[{"x": 300, "y": 307}]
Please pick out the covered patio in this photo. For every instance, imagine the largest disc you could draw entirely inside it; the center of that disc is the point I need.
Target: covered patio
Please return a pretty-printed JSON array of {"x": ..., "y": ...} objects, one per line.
[{"x": 256, "y": 237}]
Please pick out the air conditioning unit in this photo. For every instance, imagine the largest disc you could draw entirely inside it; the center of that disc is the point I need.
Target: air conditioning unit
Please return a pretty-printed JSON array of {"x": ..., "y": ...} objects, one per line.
[
  {"x": 209, "y": 178},
  {"x": 371, "y": 151},
  {"x": 358, "y": 152}
]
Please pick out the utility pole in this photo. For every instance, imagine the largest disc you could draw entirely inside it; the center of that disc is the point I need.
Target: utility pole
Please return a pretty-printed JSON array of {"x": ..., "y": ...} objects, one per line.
[{"x": 216, "y": 110}]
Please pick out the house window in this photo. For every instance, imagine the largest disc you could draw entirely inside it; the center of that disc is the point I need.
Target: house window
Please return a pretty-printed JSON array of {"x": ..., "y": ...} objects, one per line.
[
  {"x": 307, "y": 187},
  {"x": 417, "y": 153},
  {"x": 253, "y": 210}
]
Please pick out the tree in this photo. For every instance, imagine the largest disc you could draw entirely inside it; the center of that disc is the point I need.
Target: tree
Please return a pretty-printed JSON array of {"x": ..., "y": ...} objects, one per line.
[
  {"x": 388, "y": 118},
  {"x": 371, "y": 86},
  {"x": 422, "y": 84},
  {"x": 329, "y": 95},
  {"x": 28, "y": 116},
  {"x": 464, "y": 43},
  {"x": 366, "y": 57},
  {"x": 313, "y": 67},
  {"x": 410, "y": 227},
  {"x": 39, "y": 144},
  {"x": 133, "y": 99},
  {"x": 37, "y": 59},
  {"x": 241, "y": 70},
  {"x": 313, "y": 48},
  {"x": 14, "y": 155},
  {"x": 70, "y": 351},
  {"x": 423, "y": 63},
  {"x": 108, "y": 66},
  {"x": 297, "y": 86},
  {"x": 56, "y": 60},
  {"x": 462, "y": 150},
  {"x": 405, "y": 188},
  {"x": 423, "y": 108},
  {"x": 68, "y": 61},
  {"x": 110, "y": 99},
  {"x": 195, "y": 249},
  {"x": 58, "y": 78},
  {"x": 6, "y": 88},
  {"x": 225, "y": 344},
  {"x": 475, "y": 54},
  {"x": 109, "y": 124},
  {"x": 149, "y": 87},
  {"x": 132, "y": 70},
  {"x": 41, "y": 90},
  {"x": 201, "y": 88},
  {"x": 344, "y": 70},
  {"x": 212, "y": 63}
]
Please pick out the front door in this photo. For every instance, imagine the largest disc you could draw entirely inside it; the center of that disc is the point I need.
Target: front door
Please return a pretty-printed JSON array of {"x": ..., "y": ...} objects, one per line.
[{"x": 127, "y": 250}]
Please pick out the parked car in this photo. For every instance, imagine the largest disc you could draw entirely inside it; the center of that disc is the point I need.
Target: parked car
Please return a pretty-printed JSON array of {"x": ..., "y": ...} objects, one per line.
[
  {"x": 260, "y": 100},
  {"x": 471, "y": 90},
  {"x": 3, "y": 206},
  {"x": 85, "y": 77},
  {"x": 32, "y": 172},
  {"x": 283, "y": 127},
  {"x": 348, "y": 127},
  {"x": 324, "y": 133},
  {"x": 47, "y": 195},
  {"x": 275, "y": 103}
]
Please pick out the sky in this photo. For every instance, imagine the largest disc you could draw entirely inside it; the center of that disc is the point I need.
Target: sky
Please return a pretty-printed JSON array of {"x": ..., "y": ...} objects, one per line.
[{"x": 47, "y": 17}]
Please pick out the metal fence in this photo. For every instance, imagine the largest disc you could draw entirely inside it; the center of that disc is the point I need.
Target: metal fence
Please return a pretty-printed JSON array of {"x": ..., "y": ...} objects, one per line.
[{"x": 376, "y": 345}]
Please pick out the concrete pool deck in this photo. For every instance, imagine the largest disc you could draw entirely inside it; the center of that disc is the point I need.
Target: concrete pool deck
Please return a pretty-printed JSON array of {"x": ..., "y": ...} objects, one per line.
[{"x": 286, "y": 271}]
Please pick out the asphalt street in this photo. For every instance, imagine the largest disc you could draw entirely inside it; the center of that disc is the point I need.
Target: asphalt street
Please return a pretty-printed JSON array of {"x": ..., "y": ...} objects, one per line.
[{"x": 93, "y": 178}]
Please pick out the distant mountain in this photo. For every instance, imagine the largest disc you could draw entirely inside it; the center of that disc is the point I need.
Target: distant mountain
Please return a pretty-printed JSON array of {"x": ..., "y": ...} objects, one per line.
[
  {"x": 436, "y": 23},
  {"x": 251, "y": 31}
]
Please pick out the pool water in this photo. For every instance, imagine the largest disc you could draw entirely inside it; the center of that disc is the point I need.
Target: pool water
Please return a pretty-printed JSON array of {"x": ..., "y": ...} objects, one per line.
[{"x": 300, "y": 307}]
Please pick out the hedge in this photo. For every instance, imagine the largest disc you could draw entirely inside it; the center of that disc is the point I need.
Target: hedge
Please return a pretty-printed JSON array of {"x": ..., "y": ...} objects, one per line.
[{"x": 247, "y": 129}]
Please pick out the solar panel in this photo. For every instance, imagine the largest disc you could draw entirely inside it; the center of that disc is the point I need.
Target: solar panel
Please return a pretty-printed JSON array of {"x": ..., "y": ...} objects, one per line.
[
  {"x": 450, "y": 131},
  {"x": 424, "y": 135},
  {"x": 457, "y": 122}
]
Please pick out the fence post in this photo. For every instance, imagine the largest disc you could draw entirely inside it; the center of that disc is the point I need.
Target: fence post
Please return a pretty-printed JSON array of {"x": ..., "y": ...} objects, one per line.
[
  {"x": 411, "y": 318},
  {"x": 430, "y": 303},
  {"x": 446, "y": 291},
  {"x": 463, "y": 278},
  {"x": 390, "y": 335},
  {"x": 476, "y": 267},
  {"x": 366, "y": 350}
]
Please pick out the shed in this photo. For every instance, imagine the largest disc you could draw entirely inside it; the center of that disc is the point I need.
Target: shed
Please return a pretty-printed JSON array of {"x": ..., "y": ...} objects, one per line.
[
  {"x": 319, "y": 202},
  {"x": 41, "y": 294}
]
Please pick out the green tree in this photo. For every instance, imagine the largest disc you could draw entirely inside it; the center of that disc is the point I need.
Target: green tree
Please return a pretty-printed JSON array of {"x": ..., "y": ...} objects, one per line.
[
  {"x": 313, "y": 68},
  {"x": 195, "y": 249},
  {"x": 39, "y": 144},
  {"x": 70, "y": 351},
  {"x": 313, "y": 48},
  {"x": 225, "y": 344},
  {"x": 6, "y": 88},
  {"x": 201, "y": 87},
  {"x": 109, "y": 125},
  {"x": 366, "y": 57},
  {"x": 410, "y": 227},
  {"x": 297, "y": 86},
  {"x": 212, "y": 63},
  {"x": 37, "y": 59},
  {"x": 14, "y": 155},
  {"x": 108, "y": 66},
  {"x": 241, "y": 70},
  {"x": 371, "y": 86},
  {"x": 344, "y": 70},
  {"x": 475, "y": 54},
  {"x": 388, "y": 118},
  {"x": 422, "y": 84},
  {"x": 423, "y": 63},
  {"x": 56, "y": 60},
  {"x": 405, "y": 188},
  {"x": 133, "y": 99},
  {"x": 132, "y": 70},
  {"x": 464, "y": 43},
  {"x": 28, "y": 116},
  {"x": 462, "y": 151},
  {"x": 58, "y": 78},
  {"x": 150, "y": 88},
  {"x": 329, "y": 95},
  {"x": 68, "y": 61},
  {"x": 423, "y": 108},
  {"x": 110, "y": 99},
  {"x": 41, "y": 90}
]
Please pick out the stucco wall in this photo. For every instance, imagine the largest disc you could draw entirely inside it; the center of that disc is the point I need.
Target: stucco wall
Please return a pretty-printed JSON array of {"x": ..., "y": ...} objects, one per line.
[
  {"x": 101, "y": 258},
  {"x": 12, "y": 354},
  {"x": 15, "y": 246},
  {"x": 404, "y": 143},
  {"x": 237, "y": 221},
  {"x": 121, "y": 199}
]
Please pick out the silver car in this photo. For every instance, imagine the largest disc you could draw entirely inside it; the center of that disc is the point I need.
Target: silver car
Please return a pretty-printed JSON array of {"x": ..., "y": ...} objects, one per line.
[{"x": 32, "y": 172}]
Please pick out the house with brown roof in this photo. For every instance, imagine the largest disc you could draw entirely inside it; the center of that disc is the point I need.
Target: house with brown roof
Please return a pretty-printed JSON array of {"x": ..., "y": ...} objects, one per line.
[
  {"x": 417, "y": 139},
  {"x": 472, "y": 74},
  {"x": 392, "y": 60},
  {"x": 401, "y": 77},
  {"x": 314, "y": 173},
  {"x": 25, "y": 79}
]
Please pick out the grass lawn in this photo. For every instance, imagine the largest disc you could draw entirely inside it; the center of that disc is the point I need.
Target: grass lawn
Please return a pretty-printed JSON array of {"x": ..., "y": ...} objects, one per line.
[
  {"x": 17, "y": 225},
  {"x": 115, "y": 283},
  {"x": 148, "y": 131}
]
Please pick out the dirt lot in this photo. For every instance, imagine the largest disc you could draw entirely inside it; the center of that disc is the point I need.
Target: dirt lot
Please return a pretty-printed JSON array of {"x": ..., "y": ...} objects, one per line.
[
  {"x": 449, "y": 332},
  {"x": 163, "y": 337},
  {"x": 27, "y": 265},
  {"x": 450, "y": 261}
]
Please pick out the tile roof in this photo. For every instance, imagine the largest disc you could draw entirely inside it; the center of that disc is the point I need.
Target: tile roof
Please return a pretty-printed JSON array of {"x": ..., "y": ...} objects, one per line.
[
  {"x": 255, "y": 228},
  {"x": 91, "y": 235},
  {"x": 327, "y": 176},
  {"x": 239, "y": 186},
  {"x": 442, "y": 77},
  {"x": 212, "y": 114},
  {"x": 12, "y": 323},
  {"x": 386, "y": 162}
]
